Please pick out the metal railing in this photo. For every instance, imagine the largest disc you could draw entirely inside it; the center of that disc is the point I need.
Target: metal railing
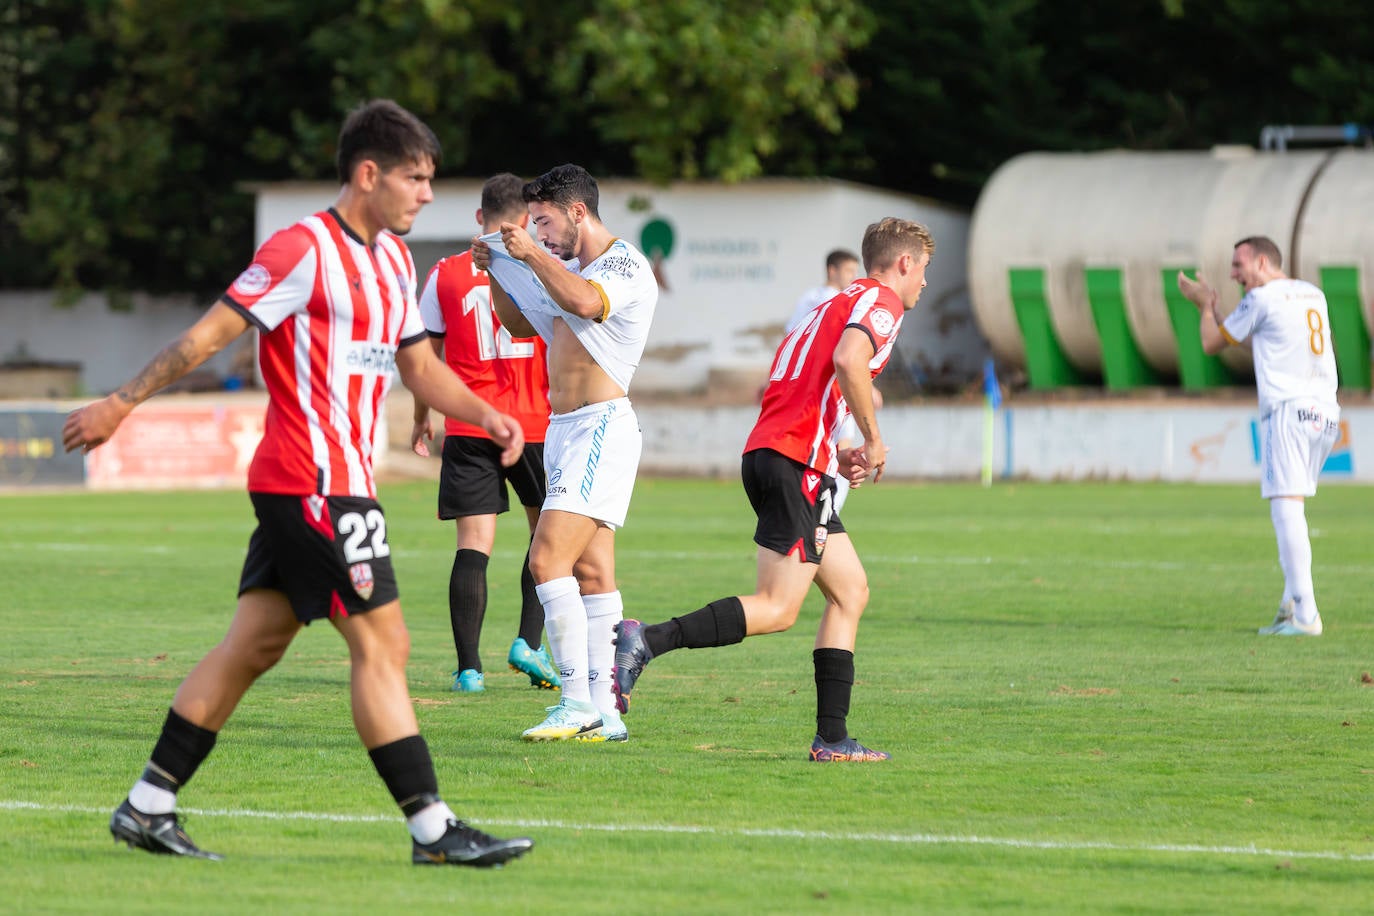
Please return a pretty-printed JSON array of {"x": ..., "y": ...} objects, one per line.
[{"x": 1276, "y": 137}]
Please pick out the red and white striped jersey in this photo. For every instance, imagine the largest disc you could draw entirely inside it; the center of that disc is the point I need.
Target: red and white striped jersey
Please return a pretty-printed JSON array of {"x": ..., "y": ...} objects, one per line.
[
  {"x": 802, "y": 406},
  {"x": 510, "y": 373},
  {"x": 331, "y": 312}
]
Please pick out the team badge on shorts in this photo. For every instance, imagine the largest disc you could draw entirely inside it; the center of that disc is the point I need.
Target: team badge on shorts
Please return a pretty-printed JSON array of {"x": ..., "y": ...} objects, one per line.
[
  {"x": 361, "y": 575},
  {"x": 821, "y": 535}
]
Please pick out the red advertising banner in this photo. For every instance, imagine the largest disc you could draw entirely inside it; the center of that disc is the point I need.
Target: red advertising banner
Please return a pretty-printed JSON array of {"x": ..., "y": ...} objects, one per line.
[{"x": 179, "y": 446}]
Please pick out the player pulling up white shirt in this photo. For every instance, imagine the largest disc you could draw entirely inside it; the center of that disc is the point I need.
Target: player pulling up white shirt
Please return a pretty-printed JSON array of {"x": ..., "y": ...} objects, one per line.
[
  {"x": 592, "y": 454},
  {"x": 593, "y": 444}
]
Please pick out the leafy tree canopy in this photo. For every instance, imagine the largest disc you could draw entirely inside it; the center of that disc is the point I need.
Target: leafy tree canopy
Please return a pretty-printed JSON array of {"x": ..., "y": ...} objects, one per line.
[{"x": 127, "y": 127}]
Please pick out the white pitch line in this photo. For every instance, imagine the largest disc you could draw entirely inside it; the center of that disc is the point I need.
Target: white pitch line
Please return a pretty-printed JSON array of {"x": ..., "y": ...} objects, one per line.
[
  {"x": 745, "y": 556},
  {"x": 915, "y": 839}
]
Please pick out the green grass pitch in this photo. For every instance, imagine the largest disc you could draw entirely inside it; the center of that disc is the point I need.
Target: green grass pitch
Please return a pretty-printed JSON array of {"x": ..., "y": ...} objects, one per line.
[{"x": 1081, "y": 717}]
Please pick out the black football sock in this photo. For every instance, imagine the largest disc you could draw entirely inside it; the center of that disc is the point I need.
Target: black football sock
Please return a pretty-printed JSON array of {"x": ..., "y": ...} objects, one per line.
[
  {"x": 720, "y": 623},
  {"x": 531, "y": 611},
  {"x": 179, "y": 752},
  {"x": 834, "y": 683},
  {"x": 467, "y": 605},
  {"x": 408, "y": 771}
]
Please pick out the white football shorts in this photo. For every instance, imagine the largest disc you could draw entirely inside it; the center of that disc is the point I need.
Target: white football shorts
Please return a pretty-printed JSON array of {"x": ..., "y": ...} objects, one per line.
[
  {"x": 591, "y": 457},
  {"x": 1295, "y": 440}
]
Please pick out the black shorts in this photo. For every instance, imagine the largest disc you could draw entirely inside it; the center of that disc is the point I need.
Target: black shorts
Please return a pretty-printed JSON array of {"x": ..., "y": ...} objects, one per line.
[
  {"x": 328, "y": 554},
  {"x": 794, "y": 504},
  {"x": 473, "y": 482}
]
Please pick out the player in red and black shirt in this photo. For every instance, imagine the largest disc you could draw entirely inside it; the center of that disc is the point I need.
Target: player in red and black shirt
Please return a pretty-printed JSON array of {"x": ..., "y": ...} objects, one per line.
[
  {"x": 823, "y": 372},
  {"x": 511, "y": 373},
  {"x": 333, "y": 298}
]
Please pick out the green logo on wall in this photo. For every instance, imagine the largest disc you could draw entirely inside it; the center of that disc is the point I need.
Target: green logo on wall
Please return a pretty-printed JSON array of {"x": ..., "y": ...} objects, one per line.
[{"x": 656, "y": 241}]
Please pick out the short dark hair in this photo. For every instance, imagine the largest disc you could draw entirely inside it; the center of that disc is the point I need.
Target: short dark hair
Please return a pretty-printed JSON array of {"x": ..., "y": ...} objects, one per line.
[
  {"x": 563, "y": 186},
  {"x": 839, "y": 256},
  {"x": 888, "y": 239},
  {"x": 1263, "y": 244},
  {"x": 387, "y": 134},
  {"x": 503, "y": 196}
]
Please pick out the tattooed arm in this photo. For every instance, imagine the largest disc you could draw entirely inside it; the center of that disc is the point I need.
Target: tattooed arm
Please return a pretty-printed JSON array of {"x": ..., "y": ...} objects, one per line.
[{"x": 91, "y": 425}]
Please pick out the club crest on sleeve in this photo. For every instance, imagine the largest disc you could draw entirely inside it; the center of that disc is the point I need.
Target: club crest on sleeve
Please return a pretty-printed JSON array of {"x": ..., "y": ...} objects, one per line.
[
  {"x": 361, "y": 576},
  {"x": 883, "y": 321},
  {"x": 253, "y": 281}
]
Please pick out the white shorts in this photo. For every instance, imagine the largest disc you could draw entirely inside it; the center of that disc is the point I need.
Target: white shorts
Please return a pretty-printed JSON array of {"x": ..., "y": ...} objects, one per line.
[
  {"x": 1294, "y": 442},
  {"x": 591, "y": 456},
  {"x": 848, "y": 434}
]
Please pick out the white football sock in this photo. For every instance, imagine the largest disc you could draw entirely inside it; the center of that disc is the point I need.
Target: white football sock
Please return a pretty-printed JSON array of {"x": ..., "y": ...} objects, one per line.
[
  {"x": 565, "y": 630},
  {"x": 151, "y": 799},
  {"x": 842, "y": 489},
  {"x": 604, "y": 611},
  {"x": 430, "y": 822},
  {"x": 1295, "y": 556}
]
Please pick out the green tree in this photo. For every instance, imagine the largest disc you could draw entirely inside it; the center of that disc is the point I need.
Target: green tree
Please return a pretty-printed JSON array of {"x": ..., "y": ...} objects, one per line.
[
  {"x": 704, "y": 89},
  {"x": 145, "y": 116},
  {"x": 949, "y": 92},
  {"x": 128, "y": 127},
  {"x": 154, "y": 112}
]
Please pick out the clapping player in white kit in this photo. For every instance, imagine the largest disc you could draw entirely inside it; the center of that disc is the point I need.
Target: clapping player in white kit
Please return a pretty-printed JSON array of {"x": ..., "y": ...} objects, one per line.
[{"x": 1285, "y": 322}]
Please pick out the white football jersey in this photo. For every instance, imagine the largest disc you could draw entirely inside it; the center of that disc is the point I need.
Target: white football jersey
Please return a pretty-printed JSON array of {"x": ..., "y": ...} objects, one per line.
[
  {"x": 1290, "y": 337},
  {"x": 629, "y": 293},
  {"x": 806, "y": 303}
]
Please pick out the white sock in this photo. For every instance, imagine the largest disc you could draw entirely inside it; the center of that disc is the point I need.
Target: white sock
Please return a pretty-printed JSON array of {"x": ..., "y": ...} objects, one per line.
[
  {"x": 1295, "y": 556},
  {"x": 151, "y": 799},
  {"x": 604, "y": 611},
  {"x": 430, "y": 822},
  {"x": 841, "y": 493},
  {"x": 565, "y": 630}
]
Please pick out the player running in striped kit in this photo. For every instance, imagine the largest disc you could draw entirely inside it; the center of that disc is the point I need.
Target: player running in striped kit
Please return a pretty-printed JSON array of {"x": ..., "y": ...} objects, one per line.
[{"x": 823, "y": 371}]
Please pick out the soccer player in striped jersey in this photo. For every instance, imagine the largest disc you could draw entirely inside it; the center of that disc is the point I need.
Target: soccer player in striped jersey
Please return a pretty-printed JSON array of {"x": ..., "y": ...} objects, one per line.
[
  {"x": 1285, "y": 323},
  {"x": 841, "y": 267},
  {"x": 333, "y": 300},
  {"x": 512, "y": 374},
  {"x": 823, "y": 371}
]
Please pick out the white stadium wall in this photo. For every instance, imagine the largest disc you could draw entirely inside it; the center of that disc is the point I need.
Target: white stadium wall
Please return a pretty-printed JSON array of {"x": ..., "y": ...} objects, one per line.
[
  {"x": 732, "y": 261},
  {"x": 103, "y": 346},
  {"x": 736, "y": 259},
  {"x": 1175, "y": 442}
]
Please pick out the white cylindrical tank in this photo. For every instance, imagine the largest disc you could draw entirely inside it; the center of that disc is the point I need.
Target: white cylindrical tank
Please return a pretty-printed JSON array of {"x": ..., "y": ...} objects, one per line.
[
  {"x": 1337, "y": 224},
  {"x": 1140, "y": 213}
]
